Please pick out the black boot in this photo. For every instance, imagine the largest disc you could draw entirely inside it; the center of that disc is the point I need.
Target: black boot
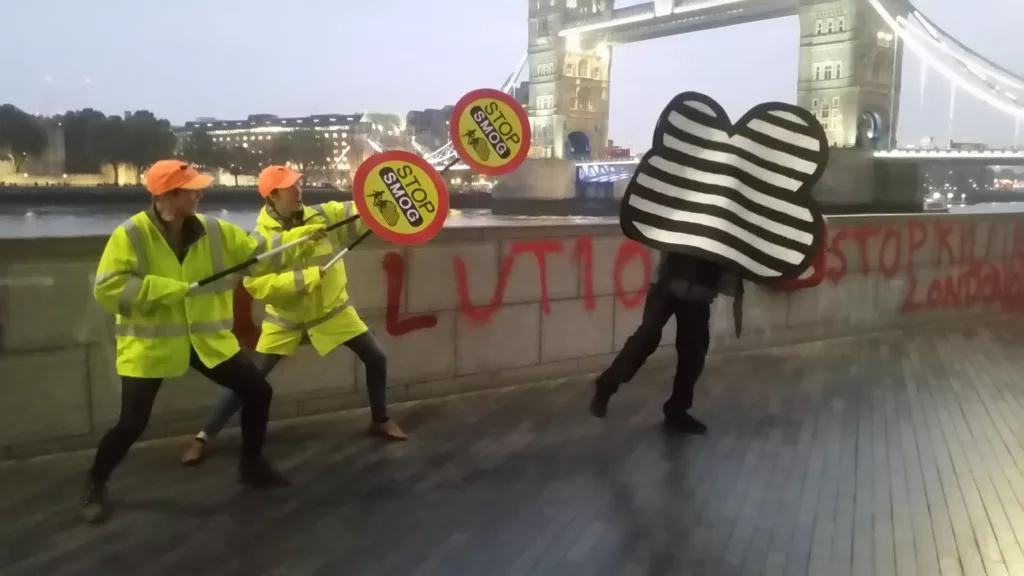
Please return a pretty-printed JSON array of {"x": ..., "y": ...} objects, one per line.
[
  {"x": 95, "y": 509},
  {"x": 260, "y": 474},
  {"x": 602, "y": 395},
  {"x": 684, "y": 424}
]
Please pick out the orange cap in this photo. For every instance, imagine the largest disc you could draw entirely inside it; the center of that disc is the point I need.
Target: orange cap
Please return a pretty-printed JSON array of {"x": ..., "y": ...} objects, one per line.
[
  {"x": 167, "y": 175},
  {"x": 274, "y": 177}
]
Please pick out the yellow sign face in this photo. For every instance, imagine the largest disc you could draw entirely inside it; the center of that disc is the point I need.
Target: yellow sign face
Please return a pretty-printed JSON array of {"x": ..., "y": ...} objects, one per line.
[
  {"x": 400, "y": 197},
  {"x": 490, "y": 131}
]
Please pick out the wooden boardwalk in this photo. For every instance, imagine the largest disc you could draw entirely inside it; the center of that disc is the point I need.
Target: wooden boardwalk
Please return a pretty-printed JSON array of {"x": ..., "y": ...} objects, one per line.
[{"x": 894, "y": 455}]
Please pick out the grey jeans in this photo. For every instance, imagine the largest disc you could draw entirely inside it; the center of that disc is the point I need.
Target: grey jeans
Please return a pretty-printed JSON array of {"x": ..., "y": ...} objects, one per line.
[{"x": 366, "y": 348}]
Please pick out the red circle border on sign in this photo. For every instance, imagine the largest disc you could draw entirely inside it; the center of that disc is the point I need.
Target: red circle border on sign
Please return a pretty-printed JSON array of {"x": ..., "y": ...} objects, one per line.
[
  {"x": 460, "y": 148},
  {"x": 359, "y": 197}
]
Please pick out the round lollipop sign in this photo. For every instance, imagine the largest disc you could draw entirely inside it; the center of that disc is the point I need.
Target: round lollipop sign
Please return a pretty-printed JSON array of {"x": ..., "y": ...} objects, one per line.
[
  {"x": 400, "y": 197},
  {"x": 490, "y": 131}
]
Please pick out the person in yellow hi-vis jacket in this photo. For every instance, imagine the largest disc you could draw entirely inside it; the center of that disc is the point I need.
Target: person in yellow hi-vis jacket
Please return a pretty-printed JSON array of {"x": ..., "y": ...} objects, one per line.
[
  {"x": 163, "y": 326},
  {"x": 306, "y": 301}
]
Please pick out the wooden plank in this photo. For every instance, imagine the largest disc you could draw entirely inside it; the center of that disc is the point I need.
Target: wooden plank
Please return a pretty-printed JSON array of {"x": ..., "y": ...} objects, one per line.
[{"x": 899, "y": 454}]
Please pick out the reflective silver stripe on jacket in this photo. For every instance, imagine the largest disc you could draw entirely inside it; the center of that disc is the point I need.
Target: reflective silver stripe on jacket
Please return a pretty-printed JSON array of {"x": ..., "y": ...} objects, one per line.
[
  {"x": 275, "y": 242},
  {"x": 290, "y": 325},
  {"x": 300, "y": 280},
  {"x": 133, "y": 285},
  {"x": 261, "y": 244},
  {"x": 319, "y": 208},
  {"x": 216, "y": 237},
  {"x": 171, "y": 331},
  {"x": 131, "y": 290},
  {"x": 135, "y": 237},
  {"x": 352, "y": 228}
]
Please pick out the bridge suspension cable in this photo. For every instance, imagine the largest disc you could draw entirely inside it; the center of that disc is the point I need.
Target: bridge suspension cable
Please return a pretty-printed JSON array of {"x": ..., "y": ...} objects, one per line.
[
  {"x": 918, "y": 43},
  {"x": 445, "y": 154}
]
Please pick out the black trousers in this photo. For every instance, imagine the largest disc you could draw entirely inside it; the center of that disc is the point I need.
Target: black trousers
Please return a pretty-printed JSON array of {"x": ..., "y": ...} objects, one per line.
[
  {"x": 693, "y": 336},
  {"x": 374, "y": 359},
  {"x": 237, "y": 373}
]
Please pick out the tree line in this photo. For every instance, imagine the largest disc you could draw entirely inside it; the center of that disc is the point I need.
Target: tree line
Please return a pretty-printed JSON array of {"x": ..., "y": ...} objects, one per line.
[
  {"x": 305, "y": 149},
  {"x": 92, "y": 139}
]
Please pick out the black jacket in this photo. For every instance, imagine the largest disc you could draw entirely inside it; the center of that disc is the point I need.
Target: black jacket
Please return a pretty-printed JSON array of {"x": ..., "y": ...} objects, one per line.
[{"x": 689, "y": 278}]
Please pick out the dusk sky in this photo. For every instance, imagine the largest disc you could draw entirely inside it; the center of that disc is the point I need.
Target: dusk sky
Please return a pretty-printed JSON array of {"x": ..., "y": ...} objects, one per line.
[{"x": 230, "y": 58}]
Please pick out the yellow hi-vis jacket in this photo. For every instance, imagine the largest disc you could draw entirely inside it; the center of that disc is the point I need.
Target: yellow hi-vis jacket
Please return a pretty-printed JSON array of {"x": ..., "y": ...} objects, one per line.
[
  {"x": 300, "y": 301},
  {"x": 158, "y": 320}
]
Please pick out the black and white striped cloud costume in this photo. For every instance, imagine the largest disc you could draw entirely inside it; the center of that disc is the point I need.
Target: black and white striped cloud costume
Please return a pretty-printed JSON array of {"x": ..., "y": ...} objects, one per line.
[{"x": 737, "y": 194}]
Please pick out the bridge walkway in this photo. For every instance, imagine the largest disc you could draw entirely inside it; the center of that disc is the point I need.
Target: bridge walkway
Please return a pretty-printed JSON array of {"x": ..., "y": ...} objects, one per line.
[{"x": 897, "y": 454}]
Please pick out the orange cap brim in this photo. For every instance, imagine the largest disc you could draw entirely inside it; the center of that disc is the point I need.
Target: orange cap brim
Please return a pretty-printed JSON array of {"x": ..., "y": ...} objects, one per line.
[
  {"x": 200, "y": 182},
  {"x": 290, "y": 179}
]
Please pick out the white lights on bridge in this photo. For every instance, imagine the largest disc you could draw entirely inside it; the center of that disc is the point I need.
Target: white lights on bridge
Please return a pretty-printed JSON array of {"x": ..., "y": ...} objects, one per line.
[
  {"x": 647, "y": 15},
  {"x": 952, "y": 154},
  {"x": 694, "y": 6},
  {"x": 609, "y": 163},
  {"x": 900, "y": 26},
  {"x": 608, "y": 24}
]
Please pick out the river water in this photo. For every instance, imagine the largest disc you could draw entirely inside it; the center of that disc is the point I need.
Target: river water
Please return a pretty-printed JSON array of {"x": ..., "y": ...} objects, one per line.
[{"x": 57, "y": 221}]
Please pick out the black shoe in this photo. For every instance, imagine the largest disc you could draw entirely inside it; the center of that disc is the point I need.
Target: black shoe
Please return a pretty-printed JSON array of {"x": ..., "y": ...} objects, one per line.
[
  {"x": 261, "y": 474},
  {"x": 684, "y": 424},
  {"x": 599, "y": 403},
  {"x": 95, "y": 509}
]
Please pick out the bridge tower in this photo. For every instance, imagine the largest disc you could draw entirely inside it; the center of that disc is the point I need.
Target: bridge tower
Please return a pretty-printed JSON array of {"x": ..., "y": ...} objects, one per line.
[
  {"x": 850, "y": 69},
  {"x": 568, "y": 81}
]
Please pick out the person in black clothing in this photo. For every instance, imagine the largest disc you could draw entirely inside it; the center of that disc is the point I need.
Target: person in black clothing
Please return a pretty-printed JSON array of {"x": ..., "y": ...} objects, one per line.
[{"x": 683, "y": 287}]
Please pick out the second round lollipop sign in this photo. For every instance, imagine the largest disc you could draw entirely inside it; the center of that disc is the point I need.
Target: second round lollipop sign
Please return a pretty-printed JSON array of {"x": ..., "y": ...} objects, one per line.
[{"x": 490, "y": 131}]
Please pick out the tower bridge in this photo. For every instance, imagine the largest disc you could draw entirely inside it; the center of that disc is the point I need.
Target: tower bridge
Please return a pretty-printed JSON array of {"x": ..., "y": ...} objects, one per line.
[{"x": 850, "y": 69}]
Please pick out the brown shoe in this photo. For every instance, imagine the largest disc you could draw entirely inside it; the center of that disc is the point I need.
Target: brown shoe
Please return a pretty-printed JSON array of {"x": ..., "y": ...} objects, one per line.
[
  {"x": 388, "y": 429},
  {"x": 195, "y": 453}
]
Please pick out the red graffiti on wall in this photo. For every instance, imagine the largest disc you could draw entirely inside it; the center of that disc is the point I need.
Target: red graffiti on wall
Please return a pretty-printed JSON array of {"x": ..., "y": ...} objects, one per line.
[
  {"x": 583, "y": 253},
  {"x": 394, "y": 268},
  {"x": 982, "y": 261}
]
